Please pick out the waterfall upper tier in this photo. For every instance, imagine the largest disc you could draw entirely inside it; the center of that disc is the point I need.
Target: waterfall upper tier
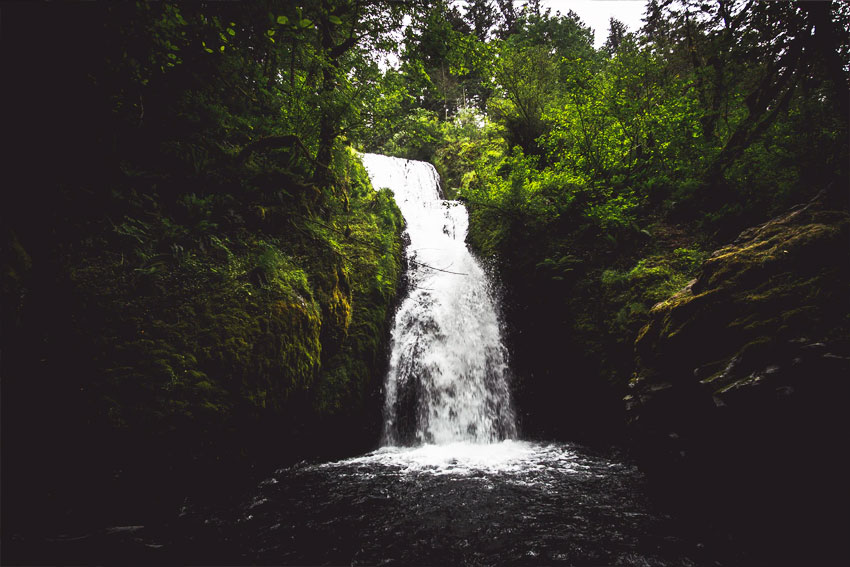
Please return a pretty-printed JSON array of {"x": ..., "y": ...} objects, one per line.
[{"x": 448, "y": 375}]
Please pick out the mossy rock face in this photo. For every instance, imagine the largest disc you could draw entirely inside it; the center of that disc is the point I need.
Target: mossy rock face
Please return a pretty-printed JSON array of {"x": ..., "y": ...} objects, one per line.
[
  {"x": 275, "y": 327},
  {"x": 784, "y": 280},
  {"x": 200, "y": 353},
  {"x": 742, "y": 376},
  {"x": 207, "y": 329}
]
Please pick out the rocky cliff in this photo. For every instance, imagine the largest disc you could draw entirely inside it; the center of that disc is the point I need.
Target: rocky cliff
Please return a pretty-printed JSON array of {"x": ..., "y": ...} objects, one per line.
[
  {"x": 168, "y": 343},
  {"x": 739, "y": 396}
]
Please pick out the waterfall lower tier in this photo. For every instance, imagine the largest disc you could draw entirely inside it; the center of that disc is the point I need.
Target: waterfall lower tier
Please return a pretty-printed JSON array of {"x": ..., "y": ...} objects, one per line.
[{"x": 448, "y": 374}]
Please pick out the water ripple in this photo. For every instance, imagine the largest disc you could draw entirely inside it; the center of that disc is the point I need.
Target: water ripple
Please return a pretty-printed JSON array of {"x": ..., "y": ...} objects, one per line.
[{"x": 462, "y": 503}]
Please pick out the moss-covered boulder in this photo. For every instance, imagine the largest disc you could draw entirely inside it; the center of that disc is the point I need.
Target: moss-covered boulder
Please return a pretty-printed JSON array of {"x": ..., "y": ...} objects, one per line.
[
  {"x": 778, "y": 288},
  {"x": 743, "y": 376}
]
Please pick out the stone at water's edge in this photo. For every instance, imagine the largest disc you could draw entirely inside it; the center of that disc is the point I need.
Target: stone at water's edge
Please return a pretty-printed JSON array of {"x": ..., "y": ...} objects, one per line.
[{"x": 742, "y": 380}]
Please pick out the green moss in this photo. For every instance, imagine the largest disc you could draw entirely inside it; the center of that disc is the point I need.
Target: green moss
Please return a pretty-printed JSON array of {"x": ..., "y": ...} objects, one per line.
[
  {"x": 261, "y": 319},
  {"x": 372, "y": 253},
  {"x": 633, "y": 293},
  {"x": 779, "y": 281}
]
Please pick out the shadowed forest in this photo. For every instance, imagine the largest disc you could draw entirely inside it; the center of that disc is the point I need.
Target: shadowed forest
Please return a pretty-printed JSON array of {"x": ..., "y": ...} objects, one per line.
[{"x": 199, "y": 278}]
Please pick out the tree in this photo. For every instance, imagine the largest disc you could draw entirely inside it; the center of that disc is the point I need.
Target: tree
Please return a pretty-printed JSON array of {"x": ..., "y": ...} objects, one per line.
[
  {"x": 482, "y": 18},
  {"x": 343, "y": 25},
  {"x": 616, "y": 34},
  {"x": 527, "y": 77},
  {"x": 509, "y": 17},
  {"x": 530, "y": 66},
  {"x": 446, "y": 64}
]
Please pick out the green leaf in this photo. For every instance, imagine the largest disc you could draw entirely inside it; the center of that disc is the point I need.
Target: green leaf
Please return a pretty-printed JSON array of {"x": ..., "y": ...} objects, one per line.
[
  {"x": 231, "y": 31},
  {"x": 306, "y": 23},
  {"x": 334, "y": 20},
  {"x": 282, "y": 20},
  {"x": 221, "y": 49},
  {"x": 208, "y": 50}
]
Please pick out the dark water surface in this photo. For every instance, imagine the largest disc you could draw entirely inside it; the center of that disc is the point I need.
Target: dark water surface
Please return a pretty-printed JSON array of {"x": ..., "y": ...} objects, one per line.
[
  {"x": 459, "y": 504},
  {"x": 514, "y": 502}
]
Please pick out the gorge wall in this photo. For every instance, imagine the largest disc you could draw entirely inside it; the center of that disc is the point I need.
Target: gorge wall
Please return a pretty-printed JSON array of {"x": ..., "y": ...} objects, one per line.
[
  {"x": 738, "y": 401},
  {"x": 164, "y": 344}
]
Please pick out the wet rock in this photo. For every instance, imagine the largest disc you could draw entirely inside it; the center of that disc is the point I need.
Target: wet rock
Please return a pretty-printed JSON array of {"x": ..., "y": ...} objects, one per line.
[
  {"x": 760, "y": 311},
  {"x": 749, "y": 364}
]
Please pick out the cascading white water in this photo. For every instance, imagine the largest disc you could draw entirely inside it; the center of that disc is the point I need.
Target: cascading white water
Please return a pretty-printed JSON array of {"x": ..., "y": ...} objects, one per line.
[{"x": 448, "y": 374}]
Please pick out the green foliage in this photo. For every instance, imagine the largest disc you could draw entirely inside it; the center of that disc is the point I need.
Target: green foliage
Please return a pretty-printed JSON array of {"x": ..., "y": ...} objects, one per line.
[
  {"x": 532, "y": 63},
  {"x": 260, "y": 318},
  {"x": 193, "y": 199},
  {"x": 687, "y": 260},
  {"x": 528, "y": 77},
  {"x": 274, "y": 268},
  {"x": 651, "y": 280},
  {"x": 469, "y": 141},
  {"x": 372, "y": 252},
  {"x": 417, "y": 136},
  {"x": 444, "y": 67},
  {"x": 205, "y": 259},
  {"x": 596, "y": 178}
]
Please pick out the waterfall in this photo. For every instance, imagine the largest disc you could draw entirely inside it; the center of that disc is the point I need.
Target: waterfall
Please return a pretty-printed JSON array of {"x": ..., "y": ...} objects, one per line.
[{"x": 448, "y": 375}]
